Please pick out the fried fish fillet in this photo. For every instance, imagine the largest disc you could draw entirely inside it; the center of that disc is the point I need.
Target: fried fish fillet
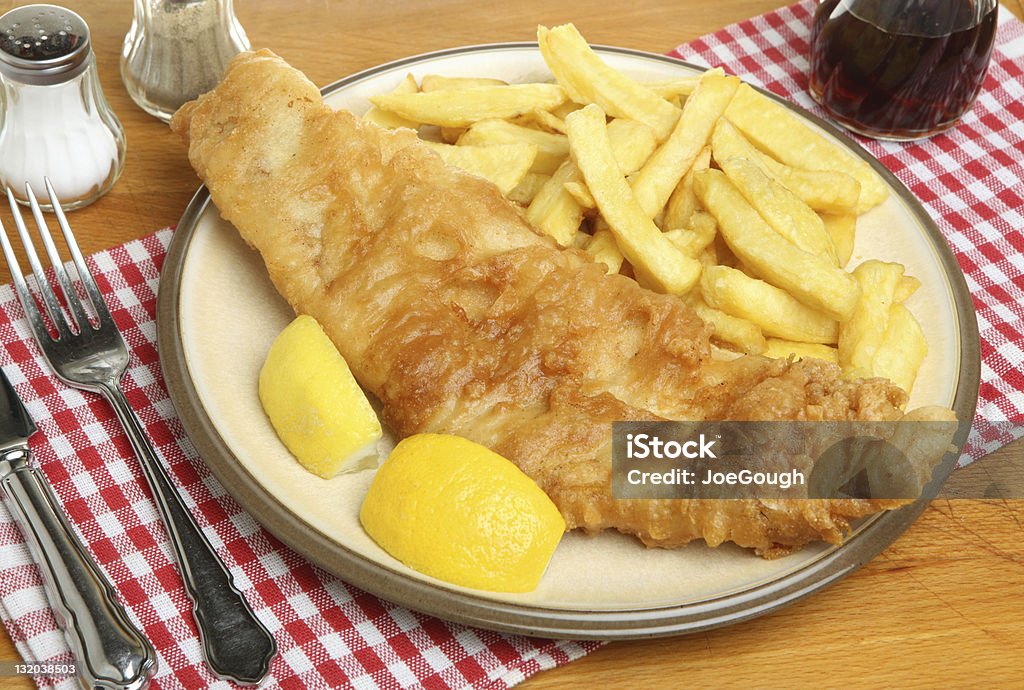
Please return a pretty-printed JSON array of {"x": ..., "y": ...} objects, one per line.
[{"x": 462, "y": 319}]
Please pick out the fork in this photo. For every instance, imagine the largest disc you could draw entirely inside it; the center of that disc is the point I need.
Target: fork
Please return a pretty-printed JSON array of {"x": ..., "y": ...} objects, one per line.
[{"x": 94, "y": 357}]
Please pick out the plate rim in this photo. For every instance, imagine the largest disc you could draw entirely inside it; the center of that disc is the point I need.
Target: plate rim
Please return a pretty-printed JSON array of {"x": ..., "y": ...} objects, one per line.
[{"x": 469, "y": 609}]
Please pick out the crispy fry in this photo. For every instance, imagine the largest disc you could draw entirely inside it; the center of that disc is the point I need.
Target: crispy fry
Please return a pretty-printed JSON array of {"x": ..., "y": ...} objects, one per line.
[
  {"x": 552, "y": 149},
  {"x": 902, "y": 350},
  {"x": 581, "y": 194},
  {"x": 654, "y": 183},
  {"x": 588, "y": 79},
  {"x": 907, "y": 286},
  {"x": 775, "y": 311},
  {"x": 811, "y": 279},
  {"x": 505, "y": 165},
  {"x": 391, "y": 120},
  {"x": 527, "y": 189},
  {"x": 463, "y": 107},
  {"x": 862, "y": 335},
  {"x": 776, "y": 130},
  {"x": 440, "y": 82},
  {"x": 655, "y": 260},
  {"x": 697, "y": 236},
  {"x": 680, "y": 86},
  {"x": 632, "y": 143},
  {"x": 543, "y": 120},
  {"x": 822, "y": 190},
  {"x": 556, "y": 211},
  {"x": 733, "y": 331},
  {"x": 603, "y": 248},
  {"x": 828, "y": 191},
  {"x": 781, "y": 349},
  {"x": 553, "y": 210},
  {"x": 683, "y": 202},
  {"x": 842, "y": 228},
  {"x": 781, "y": 209}
]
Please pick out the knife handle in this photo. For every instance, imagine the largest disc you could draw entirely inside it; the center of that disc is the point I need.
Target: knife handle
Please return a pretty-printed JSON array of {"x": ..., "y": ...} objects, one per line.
[{"x": 109, "y": 650}]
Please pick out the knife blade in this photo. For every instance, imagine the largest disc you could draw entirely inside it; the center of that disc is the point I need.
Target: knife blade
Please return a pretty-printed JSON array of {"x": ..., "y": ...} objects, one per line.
[{"x": 110, "y": 652}]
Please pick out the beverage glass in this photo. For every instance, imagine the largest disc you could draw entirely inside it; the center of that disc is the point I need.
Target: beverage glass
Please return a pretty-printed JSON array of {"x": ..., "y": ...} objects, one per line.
[{"x": 900, "y": 69}]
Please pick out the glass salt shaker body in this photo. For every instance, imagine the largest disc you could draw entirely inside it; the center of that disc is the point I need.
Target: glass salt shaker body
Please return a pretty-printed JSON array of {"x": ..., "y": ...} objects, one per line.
[
  {"x": 176, "y": 50},
  {"x": 55, "y": 120}
]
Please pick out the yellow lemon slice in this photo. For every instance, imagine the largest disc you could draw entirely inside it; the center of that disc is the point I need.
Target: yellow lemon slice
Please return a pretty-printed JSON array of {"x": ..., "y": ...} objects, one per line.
[
  {"x": 454, "y": 510},
  {"x": 314, "y": 403}
]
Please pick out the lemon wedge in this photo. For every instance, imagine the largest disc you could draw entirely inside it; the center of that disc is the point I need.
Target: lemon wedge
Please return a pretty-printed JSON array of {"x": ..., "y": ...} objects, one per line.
[
  {"x": 314, "y": 403},
  {"x": 453, "y": 509}
]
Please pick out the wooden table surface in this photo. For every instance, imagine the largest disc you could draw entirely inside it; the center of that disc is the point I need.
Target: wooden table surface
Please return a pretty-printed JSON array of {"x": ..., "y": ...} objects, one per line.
[{"x": 942, "y": 606}]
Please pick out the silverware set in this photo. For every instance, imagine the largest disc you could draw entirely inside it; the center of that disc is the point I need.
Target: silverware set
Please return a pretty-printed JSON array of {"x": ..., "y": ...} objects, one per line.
[{"x": 83, "y": 346}]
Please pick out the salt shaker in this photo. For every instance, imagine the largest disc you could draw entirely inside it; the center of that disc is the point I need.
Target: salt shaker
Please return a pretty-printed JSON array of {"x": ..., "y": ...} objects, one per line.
[
  {"x": 55, "y": 120},
  {"x": 178, "y": 49}
]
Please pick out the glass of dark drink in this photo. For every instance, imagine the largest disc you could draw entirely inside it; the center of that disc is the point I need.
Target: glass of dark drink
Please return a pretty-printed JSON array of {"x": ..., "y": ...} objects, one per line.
[{"x": 900, "y": 69}]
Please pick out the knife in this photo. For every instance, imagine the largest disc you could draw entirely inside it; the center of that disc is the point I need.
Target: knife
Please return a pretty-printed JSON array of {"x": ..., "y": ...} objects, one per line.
[{"x": 110, "y": 652}]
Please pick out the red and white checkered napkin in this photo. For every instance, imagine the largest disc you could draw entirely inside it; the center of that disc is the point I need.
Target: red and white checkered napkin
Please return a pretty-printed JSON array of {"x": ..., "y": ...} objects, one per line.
[
  {"x": 333, "y": 635},
  {"x": 970, "y": 180}
]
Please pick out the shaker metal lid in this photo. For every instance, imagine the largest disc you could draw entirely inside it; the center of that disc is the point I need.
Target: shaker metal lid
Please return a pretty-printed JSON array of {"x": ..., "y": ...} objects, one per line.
[{"x": 43, "y": 44}]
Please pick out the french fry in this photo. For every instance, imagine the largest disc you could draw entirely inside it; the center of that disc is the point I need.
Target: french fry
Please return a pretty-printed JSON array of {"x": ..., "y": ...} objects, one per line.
[
  {"x": 632, "y": 144},
  {"x": 781, "y": 209},
  {"x": 578, "y": 190},
  {"x": 440, "y": 82},
  {"x": 777, "y": 348},
  {"x": 556, "y": 211},
  {"x": 862, "y": 335},
  {"x": 450, "y": 135},
  {"x": 842, "y": 228},
  {"x": 902, "y": 351},
  {"x": 527, "y": 189},
  {"x": 811, "y": 279},
  {"x": 603, "y": 248},
  {"x": 588, "y": 79},
  {"x": 552, "y": 149},
  {"x": 683, "y": 202},
  {"x": 391, "y": 120},
  {"x": 543, "y": 120},
  {"x": 823, "y": 190},
  {"x": 697, "y": 236},
  {"x": 739, "y": 333},
  {"x": 562, "y": 111},
  {"x": 654, "y": 183},
  {"x": 505, "y": 165},
  {"x": 776, "y": 130},
  {"x": 553, "y": 210},
  {"x": 680, "y": 86},
  {"x": 828, "y": 191},
  {"x": 655, "y": 260},
  {"x": 775, "y": 311},
  {"x": 907, "y": 286},
  {"x": 463, "y": 107}
]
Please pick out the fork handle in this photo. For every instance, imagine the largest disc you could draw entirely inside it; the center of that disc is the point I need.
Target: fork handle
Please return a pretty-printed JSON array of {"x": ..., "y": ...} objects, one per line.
[
  {"x": 236, "y": 644},
  {"x": 109, "y": 650}
]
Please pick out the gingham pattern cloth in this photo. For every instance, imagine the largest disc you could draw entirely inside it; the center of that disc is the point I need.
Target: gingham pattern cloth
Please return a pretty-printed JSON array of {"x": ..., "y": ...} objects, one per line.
[{"x": 330, "y": 634}]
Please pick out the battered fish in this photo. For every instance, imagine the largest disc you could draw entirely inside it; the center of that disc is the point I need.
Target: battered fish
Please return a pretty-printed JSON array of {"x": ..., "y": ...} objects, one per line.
[{"x": 462, "y": 319}]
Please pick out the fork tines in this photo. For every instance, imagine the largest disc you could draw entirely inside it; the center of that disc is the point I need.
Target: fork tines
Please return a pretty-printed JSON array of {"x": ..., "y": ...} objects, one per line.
[{"x": 76, "y": 319}]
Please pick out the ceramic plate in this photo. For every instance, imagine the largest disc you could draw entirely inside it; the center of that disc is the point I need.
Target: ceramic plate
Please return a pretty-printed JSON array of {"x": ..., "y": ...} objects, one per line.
[{"x": 218, "y": 314}]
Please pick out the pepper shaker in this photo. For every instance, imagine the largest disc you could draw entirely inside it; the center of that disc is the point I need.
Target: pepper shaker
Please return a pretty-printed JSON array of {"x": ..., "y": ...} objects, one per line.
[
  {"x": 55, "y": 120},
  {"x": 178, "y": 49}
]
